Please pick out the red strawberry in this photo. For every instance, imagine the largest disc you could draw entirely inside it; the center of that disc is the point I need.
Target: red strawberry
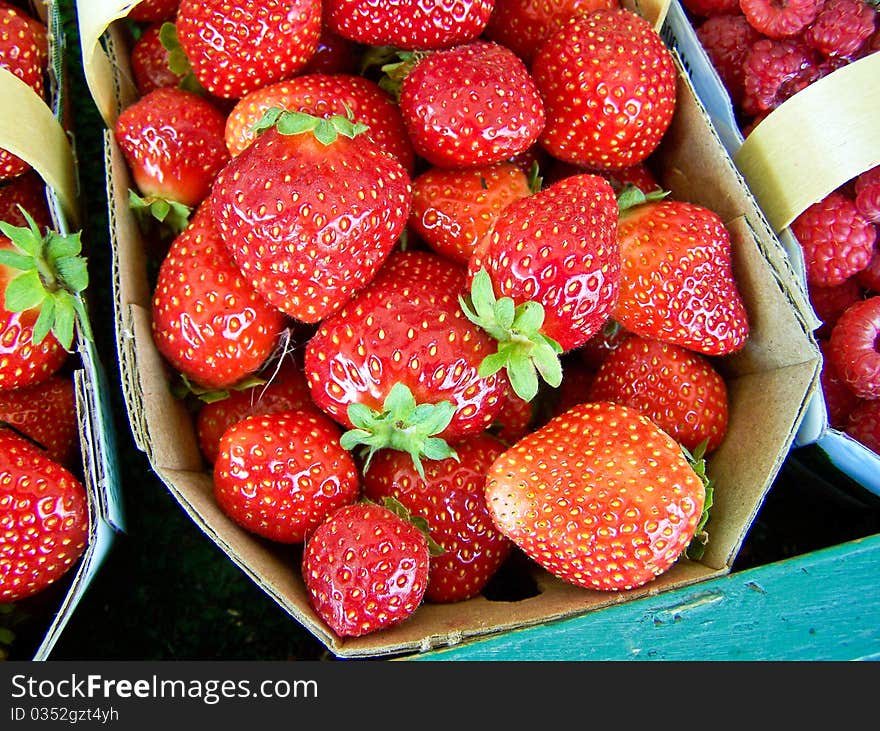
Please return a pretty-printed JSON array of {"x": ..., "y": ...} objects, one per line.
[
  {"x": 153, "y": 11},
  {"x": 453, "y": 209},
  {"x": 523, "y": 25},
  {"x": 334, "y": 55},
  {"x": 324, "y": 95},
  {"x": 150, "y": 61},
  {"x": 408, "y": 24},
  {"x": 28, "y": 192},
  {"x": 284, "y": 389},
  {"x": 864, "y": 424},
  {"x": 280, "y": 475},
  {"x": 365, "y": 569},
  {"x": 837, "y": 240},
  {"x": 678, "y": 389},
  {"x": 780, "y": 18},
  {"x": 398, "y": 364},
  {"x": 608, "y": 84},
  {"x": 310, "y": 211},
  {"x": 451, "y": 499},
  {"x": 841, "y": 27},
  {"x": 208, "y": 322},
  {"x": 854, "y": 349},
  {"x": 599, "y": 496},
  {"x": 545, "y": 279},
  {"x": 676, "y": 281},
  {"x": 46, "y": 413},
  {"x": 237, "y": 47},
  {"x": 515, "y": 418},
  {"x": 470, "y": 105},
  {"x": 44, "y": 519}
]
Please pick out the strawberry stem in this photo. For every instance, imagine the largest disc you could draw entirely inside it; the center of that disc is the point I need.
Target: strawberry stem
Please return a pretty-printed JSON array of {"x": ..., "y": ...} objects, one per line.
[
  {"x": 631, "y": 196},
  {"x": 401, "y": 511},
  {"x": 325, "y": 129}
]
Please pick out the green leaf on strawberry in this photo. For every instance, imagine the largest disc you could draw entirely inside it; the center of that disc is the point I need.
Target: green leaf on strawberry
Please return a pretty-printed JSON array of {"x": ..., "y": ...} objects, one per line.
[
  {"x": 523, "y": 350},
  {"x": 173, "y": 216},
  {"x": 53, "y": 277},
  {"x": 177, "y": 60},
  {"x": 402, "y": 424},
  {"x": 697, "y": 547},
  {"x": 325, "y": 130},
  {"x": 401, "y": 511}
]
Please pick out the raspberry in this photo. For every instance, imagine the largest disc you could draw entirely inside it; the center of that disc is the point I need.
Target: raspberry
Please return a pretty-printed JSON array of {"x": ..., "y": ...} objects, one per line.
[
  {"x": 869, "y": 277},
  {"x": 837, "y": 240},
  {"x": 864, "y": 424},
  {"x": 710, "y": 8},
  {"x": 727, "y": 40},
  {"x": 780, "y": 18},
  {"x": 839, "y": 399},
  {"x": 775, "y": 71},
  {"x": 841, "y": 27},
  {"x": 854, "y": 347},
  {"x": 831, "y": 302},
  {"x": 867, "y": 191}
]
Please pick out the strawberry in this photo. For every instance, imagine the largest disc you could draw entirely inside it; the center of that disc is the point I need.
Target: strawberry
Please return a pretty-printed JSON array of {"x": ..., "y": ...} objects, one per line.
[
  {"x": 280, "y": 475},
  {"x": 324, "y": 95},
  {"x": 453, "y": 209},
  {"x": 545, "y": 279},
  {"x": 677, "y": 282},
  {"x": 599, "y": 496},
  {"x": 473, "y": 104},
  {"x": 451, "y": 499},
  {"x": 284, "y": 389},
  {"x": 365, "y": 569},
  {"x": 678, "y": 389},
  {"x": 208, "y": 322},
  {"x": 44, "y": 519},
  {"x": 43, "y": 277},
  {"x": 45, "y": 413},
  {"x": 151, "y": 61},
  {"x": 153, "y": 11},
  {"x": 515, "y": 418},
  {"x": 28, "y": 192},
  {"x": 608, "y": 84},
  {"x": 408, "y": 24},
  {"x": 854, "y": 349},
  {"x": 310, "y": 211},
  {"x": 236, "y": 47},
  {"x": 398, "y": 364},
  {"x": 523, "y": 25},
  {"x": 334, "y": 55}
]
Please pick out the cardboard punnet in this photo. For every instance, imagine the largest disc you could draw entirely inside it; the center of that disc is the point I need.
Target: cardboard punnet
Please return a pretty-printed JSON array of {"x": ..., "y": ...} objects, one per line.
[
  {"x": 35, "y": 130},
  {"x": 817, "y": 140},
  {"x": 770, "y": 382}
]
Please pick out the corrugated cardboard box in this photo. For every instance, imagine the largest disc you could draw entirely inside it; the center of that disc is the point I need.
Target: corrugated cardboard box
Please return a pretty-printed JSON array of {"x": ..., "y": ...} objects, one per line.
[{"x": 770, "y": 383}]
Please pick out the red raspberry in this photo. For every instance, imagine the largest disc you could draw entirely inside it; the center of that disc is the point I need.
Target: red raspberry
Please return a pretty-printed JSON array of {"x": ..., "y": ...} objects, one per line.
[
  {"x": 780, "y": 18},
  {"x": 839, "y": 399},
  {"x": 710, "y": 8},
  {"x": 837, "y": 240},
  {"x": 864, "y": 424},
  {"x": 867, "y": 190},
  {"x": 775, "y": 71},
  {"x": 841, "y": 27},
  {"x": 869, "y": 277},
  {"x": 831, "y": 302},
  {"x": 854, "y": 348},
  {"x": 727, "y": 40}
]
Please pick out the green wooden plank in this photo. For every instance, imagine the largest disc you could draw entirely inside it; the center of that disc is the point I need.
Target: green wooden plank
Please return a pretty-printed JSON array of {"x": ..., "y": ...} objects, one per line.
[{"x": 819, "y": 606}]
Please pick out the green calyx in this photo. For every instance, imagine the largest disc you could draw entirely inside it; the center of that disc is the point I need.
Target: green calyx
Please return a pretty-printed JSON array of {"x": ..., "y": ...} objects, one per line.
[
  {"x": 395, "y": 71},
  {"x": 183, "y": 387},
  {"x": 631, "y": 196},
  {"x": 52, "y": 279},
  {"x": 523, "y": 350},
  {"x": 326, "y": 130},
  {"x": 401, "y": 511},
  {"x": 172, "y": 216},
  {"x": 696, "y": 459},
  {"x": 402, "y": 424},
  {"x": 178, "y": 62}
]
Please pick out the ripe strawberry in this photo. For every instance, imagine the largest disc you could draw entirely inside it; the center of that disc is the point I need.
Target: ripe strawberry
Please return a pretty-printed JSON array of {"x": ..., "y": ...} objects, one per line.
[
  {"x": 854, "y": 348},
  {"x": 453, "y": 209},
  {"x": 44, "y": 519},
  {"x": 515, "y": 418},
  {"x": 334, "y": 55},
  {"x": 284, "y": 389},
  {"x": 608, "y": 84},
  {"x": 398, "y": 364},
  {"x": 408, "y": 24},
  {"x": 676, "y": 280},
  {"x": 280, "y": 475},
  {"x": 46, "y": 413},
  {"x": 678, "y": 389},
  {"x": 470, "y": 105},
  {"x": 727, "y": 38},
  {"x": 599, "y": 496},
  {"x": 26, "y": 191},
  {"x": 237, "y": 47},
  {"x": 776, "y": 70},
  {"x": 841, "y": 27},
  {"x": 365, "y": 569},
  {"x": 37, "y": 27},
  {"x": 310, "y": 211},
  {"x": 837, "y": 240},
  {"x": 20, "y": 54},
  {"x": 780, "y": 18},
  {"x": 523, "y": 25},
  {"x": 150, "y": 62},
  {"x": 545, "y": 279},
  {"x": 451, "y": 499},
  {"x": 324, "y": 95},
  {"x": 208, "y": 322},
  {"x": 864, "y": 424},
  {"x": 153, "y": 11}
]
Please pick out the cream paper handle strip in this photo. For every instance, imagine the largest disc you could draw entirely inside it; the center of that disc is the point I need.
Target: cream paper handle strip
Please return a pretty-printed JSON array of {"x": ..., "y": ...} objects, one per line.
[
  {"x": 814, "y": 142},
  {"x": 29, "y": 130},
  {"x": 94, "y": 18}
]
